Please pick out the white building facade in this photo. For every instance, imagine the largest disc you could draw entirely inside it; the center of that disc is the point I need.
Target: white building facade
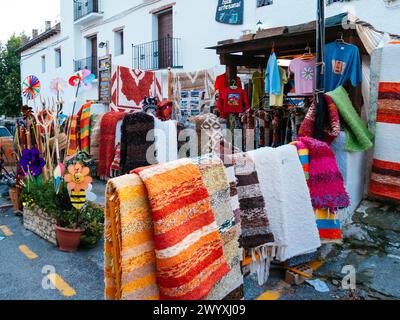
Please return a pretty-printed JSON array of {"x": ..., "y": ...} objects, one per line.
[{"x": 143, "y": 33}]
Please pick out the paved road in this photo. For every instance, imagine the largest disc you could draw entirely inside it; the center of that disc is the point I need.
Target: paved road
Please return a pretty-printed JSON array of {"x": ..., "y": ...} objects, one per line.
[{"x": 28, "y": 262}]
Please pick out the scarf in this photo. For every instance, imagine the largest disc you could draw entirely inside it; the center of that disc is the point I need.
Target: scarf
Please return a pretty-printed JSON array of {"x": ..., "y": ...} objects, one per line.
[
  {"x": 135, "y": 142},
  {"x": 189, "y": 249},
  {"x": 129, "y": 258},
  {"x": 358, "y": 138},
  {"x": 326, "y": 182},
  {"x": 107, "y": 141},
  {"x": 329, "y": 226},
  {"x": 332, "y": 128},
  {"x": 230, "y": 287},
  {"x": 385, "y": 178}
]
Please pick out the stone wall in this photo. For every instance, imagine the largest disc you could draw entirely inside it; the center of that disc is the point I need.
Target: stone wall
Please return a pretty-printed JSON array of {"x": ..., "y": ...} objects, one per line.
[{"x": 40, "y": 223}]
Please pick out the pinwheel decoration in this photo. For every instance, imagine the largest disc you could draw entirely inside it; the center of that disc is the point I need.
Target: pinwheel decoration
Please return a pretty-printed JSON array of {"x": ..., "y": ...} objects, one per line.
[
  {"x": 31, "y": 87},
  {"x": 58, "y": 176},
  {"x": 57, "y": 86},
  {"x": 82, "y": 78}
]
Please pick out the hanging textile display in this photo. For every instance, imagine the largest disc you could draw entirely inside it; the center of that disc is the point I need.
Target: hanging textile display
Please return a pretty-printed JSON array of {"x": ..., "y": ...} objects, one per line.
[
  {"x": 107, "y": 141},
  {"x": 385, "y": 181},
  {"x": 175, "y": 190},
  {"x": 137, "y": 139},
  {"x": 284, "y": 188},
  {"x": 332, "y": 125},
  {"x": 84, "y": 123},
  {"x": 131, "y": 86},
  {"x": 358, "y": 138},
  {"x": 95, "y": 126},
  {"x": 258, "y": 81},
  {"x": 193, "y": 91},
  {"x": 230, "y": 287},
  {"x": 73, "y": 144},
  {"x": 129, "y": 258}
]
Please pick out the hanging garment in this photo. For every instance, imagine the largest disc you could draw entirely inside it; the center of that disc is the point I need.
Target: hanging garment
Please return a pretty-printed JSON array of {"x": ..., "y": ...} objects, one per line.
[
  {"x": 273, "y": 82},
  {"x": 116, "y": 164},
  {"x": 326, "y": 182},
  {"x": 95, "y": 126},
  {"x": 107, "y": 141},
  {"x": 342, "y": 63},
  {"x": 221, "y": 82},
  {"x": 232, "y": 101},
  {"x": 358, "y": 138},
  {"x": 137, "y": 140},
  {"x": 258, "y": 81},
  {"x": 230, "y": 287},
  {"x": 284, "y": 188},
  {"x": 129, "y": 256},
  {"x": 189, "y": 249},
  {"x": 385, "y": 178},
  {"x": 332, "y": 127},
  {"x": 276, "y": 100},
  {"x": 305, "y": 72}
]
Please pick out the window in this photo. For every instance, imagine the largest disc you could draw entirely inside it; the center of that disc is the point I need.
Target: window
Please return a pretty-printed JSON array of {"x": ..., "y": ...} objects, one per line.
[
  {"x": 119, "y": 42},
  {"x": 262, "y": 3},
  {"x": 58, "y": 57},
  {"x": 43, "y": 64}
]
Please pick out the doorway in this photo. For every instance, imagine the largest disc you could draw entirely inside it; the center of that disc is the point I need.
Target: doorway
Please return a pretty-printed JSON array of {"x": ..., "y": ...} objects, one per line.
[{"x": 165, "y": 40}]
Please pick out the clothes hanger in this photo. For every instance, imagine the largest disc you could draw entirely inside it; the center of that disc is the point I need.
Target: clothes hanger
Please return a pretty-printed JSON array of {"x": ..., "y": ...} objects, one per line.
[
  {"x": 340, "y": 38},
  {"x": 233, "y": 85},
  {"x": 307, "y": 55}
]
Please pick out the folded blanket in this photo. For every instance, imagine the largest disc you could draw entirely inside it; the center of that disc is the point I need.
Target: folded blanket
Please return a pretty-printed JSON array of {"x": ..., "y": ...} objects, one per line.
[
  {"x": 284, "y": 188},
  {"x": 358, "y": 137},
  {"x": 129, "y": 257},
  {"x": 326, "y": 182},
  {"x": 107, "y": 141},
  {"x": 137, "y": 139},
  {"x": 189, "y": 249},
  {"x": 230, "y": 287}
]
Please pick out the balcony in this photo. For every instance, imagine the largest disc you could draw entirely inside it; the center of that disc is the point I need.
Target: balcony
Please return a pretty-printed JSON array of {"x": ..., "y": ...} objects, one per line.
[
  {"x": 86, "y": 11},
  {"x": 159, "y": 54},
  {"x": 89, "y": 63}
]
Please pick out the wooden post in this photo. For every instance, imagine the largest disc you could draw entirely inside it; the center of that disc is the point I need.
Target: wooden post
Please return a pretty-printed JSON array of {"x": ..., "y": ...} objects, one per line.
[{"x": 231, "y": 74}]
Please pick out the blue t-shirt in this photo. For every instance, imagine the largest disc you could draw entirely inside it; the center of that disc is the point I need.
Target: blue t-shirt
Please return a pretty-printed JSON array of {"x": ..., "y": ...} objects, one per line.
[
  {"x": 273, "y": 82},
  {"x": 342, "y": 63}
]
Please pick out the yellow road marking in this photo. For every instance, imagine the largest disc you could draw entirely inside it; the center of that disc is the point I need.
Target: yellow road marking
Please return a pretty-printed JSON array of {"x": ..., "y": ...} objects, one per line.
[
  {"x": 28, "y": 252},
  {"x": 61, "y": 285},
  {"x": 7, "y": 232},
  {"x": 270, "y": 295}
]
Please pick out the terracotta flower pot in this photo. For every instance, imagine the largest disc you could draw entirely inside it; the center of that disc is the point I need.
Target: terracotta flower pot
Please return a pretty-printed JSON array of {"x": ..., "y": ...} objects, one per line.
[{"x": 68, "y": 239}]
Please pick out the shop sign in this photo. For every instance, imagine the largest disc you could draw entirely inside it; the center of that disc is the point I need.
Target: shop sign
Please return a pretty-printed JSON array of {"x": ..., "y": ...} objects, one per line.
[{"x": 230, "y": 12}]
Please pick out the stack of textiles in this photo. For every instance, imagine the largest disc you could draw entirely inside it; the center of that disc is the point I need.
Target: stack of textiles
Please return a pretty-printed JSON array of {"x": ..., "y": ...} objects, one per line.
[
  {"x": 195, "y": 254},
  {"x": 385, "y": 178},
  {"x": 137, "y": 140},
  {"x": 107, "y": 141}
]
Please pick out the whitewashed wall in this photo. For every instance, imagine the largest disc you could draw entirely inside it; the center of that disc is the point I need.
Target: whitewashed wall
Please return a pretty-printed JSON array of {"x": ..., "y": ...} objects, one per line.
[{"x": 194, "y": 22}]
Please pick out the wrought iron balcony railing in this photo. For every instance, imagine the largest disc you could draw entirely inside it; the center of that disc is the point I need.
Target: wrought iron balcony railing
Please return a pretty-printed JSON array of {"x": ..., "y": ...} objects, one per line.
[
  {"x": 89, "y": 63},
  {"x": 84, "y": 7},
  {"x": 158, "y": 54}
]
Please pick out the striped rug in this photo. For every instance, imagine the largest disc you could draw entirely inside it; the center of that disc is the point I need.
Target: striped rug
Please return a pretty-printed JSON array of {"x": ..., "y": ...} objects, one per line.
[
  {"x": 129, "y": 257},
  {"x": 385, "y": 177},
  {"x": 189, "y": 250}
]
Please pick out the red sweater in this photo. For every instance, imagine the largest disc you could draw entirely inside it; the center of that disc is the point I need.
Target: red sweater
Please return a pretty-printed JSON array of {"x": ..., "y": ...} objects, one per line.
[{"x": 232, "y": 101}]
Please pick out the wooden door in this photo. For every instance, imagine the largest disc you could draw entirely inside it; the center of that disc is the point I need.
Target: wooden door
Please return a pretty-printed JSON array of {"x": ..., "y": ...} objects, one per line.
[
  {"x": 93, "y": 58},
  {"x": 165, "y": 38}
]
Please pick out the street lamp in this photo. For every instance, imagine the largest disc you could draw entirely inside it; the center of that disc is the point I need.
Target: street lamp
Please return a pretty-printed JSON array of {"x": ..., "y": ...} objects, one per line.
[{"x": 260, "y": 25}]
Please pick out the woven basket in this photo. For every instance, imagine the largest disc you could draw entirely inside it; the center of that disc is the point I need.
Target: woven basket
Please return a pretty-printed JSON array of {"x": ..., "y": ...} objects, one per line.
[{"x": 14, "y": 196}]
